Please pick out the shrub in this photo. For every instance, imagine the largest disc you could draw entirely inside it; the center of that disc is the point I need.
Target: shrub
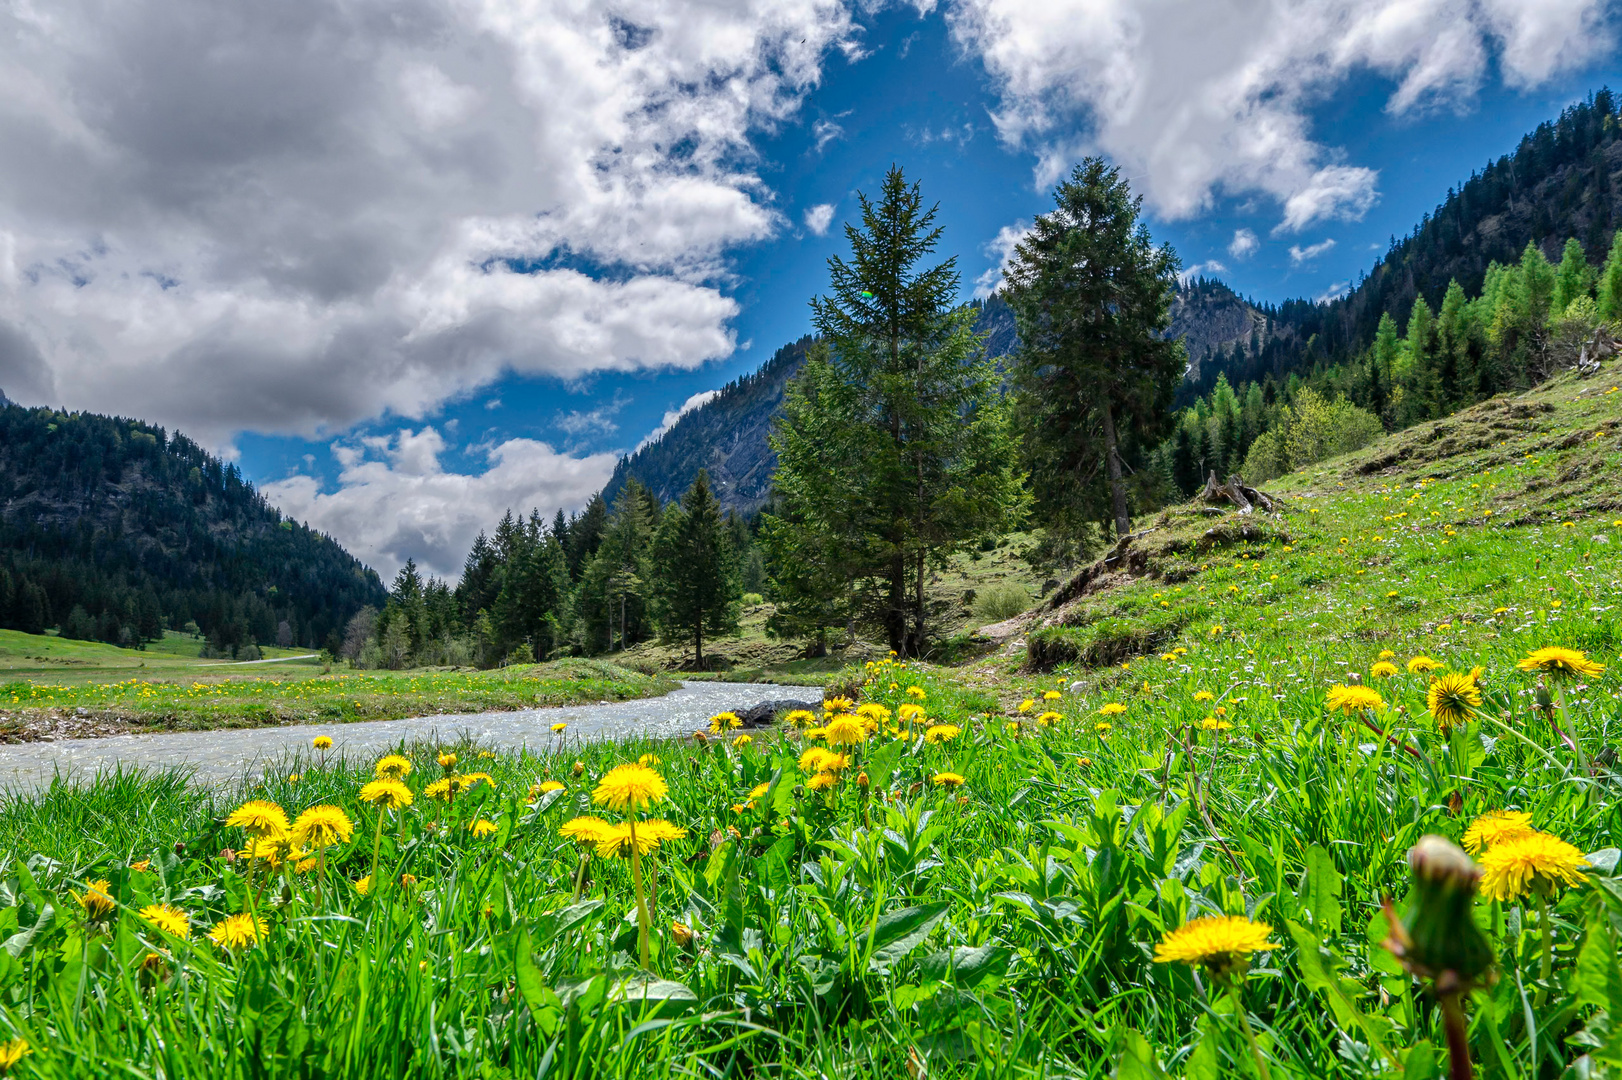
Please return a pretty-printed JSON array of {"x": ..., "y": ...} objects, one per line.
[{"x": 1001, "y": 601}]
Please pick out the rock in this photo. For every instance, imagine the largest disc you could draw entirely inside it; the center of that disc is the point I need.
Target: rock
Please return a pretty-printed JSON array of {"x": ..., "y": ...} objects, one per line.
[{"x": 768, "y": 712}]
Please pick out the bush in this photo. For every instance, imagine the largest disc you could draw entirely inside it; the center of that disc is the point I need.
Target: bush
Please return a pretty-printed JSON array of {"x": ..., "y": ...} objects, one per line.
[
  {"x": 1310, "y": 430},
  {"x": 753, "y": 599},
  {"x": 1001, "y": 601}
]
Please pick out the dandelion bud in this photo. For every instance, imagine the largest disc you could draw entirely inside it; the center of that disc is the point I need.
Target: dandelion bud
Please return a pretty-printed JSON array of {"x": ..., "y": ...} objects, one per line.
[
  {"x": 579, "y": 768},
  {"x": 863, "y": 782},
  {"x": 1439, "y": 938},
  {"x": 682, "y": 934},
  {"x": 1545, "y": 700}
]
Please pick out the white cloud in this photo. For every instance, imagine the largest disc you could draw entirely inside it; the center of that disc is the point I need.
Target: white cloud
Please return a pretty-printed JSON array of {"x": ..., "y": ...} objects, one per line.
[
  {"x": 1244, "y": 244},
  {"x": 672, "y": 415},
  {"x": 298, "y": 216},
  {"x": 819, "y": 217},
  {"x": 395, "y": 500},
  {"x": 1000, "y": 248},
  {"x": 599, "y": 420},
  {"x": 1299, "y": 254},
  {"x": 1210, "y": 266},
  {"x": 1335, "y": 291},
  {"x": 826, "y": 131},
  {"x": 1196, "y": 100}
]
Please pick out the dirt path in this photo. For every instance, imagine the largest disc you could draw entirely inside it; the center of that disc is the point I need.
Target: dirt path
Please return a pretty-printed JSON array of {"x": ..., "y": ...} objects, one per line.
[{"x": 219, "y": 756}]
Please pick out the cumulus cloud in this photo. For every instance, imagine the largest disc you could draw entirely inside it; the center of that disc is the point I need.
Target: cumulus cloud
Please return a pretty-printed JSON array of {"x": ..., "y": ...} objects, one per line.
[
  {"x": 1244, "y": 244},
  {"x": 293, "y": 217},
  {"x": 395, "y": 500},
  {"x": 1000, "y": 248},
  {"x": 1196, "y": 100},
  {"x": 672, "y": 415},
  {"x": 819, "y": 217},
  {"x": 1299, "y": 254}
]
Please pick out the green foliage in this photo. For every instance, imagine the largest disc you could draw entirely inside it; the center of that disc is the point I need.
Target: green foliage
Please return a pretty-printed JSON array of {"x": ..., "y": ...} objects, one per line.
[
  {"x": 894, "y": 448},
  {"x": 1092, "y": 293},
  {"x": 1000, "y": 601}
]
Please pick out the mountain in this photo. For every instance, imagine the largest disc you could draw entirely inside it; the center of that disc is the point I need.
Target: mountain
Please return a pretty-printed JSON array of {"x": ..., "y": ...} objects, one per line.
[
  {"x": 112, "y": 529},
  {"x": 728, "y": 434},
  {"x": 1561, "y": 181}
]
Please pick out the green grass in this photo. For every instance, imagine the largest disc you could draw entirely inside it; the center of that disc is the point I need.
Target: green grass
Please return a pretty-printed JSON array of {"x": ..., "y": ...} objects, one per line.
[
  {"x": 1004, "y": 928},
  {"x": 182, "y": 695}
]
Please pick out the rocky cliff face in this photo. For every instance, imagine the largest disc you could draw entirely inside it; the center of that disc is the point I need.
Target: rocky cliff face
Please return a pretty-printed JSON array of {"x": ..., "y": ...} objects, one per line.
[{"x": 1209, "y": 317}]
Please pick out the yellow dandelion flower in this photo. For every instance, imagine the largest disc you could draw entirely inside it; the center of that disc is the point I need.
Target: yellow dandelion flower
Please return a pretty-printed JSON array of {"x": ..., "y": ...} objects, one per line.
[
  {"x": 97, "y": 899},
  {"x": 1103, "y": 727},
  {"x": 141, "y": 866},
  {"x": 585, "y": 831},
  {"x": 650, "y": 760},
  {"x": 724, "y": 720},
  {"x": 559, "y": 727},
  {"x": 909, "y": 712},
  {"x": 322, "y": 827},
  {"x": 445, "y": 788},
  {"x": 392, "y": 767},
  {"x": 822, "y": 781},
  {"x": 1561, "y": 663},
  {"x": 759, "y": 789},
  {"x": 1220, "y": 943},
  {"x": 872, "y": 710},
  {"x": 1204, "y": 695},
  {"x": 947, "y": 779},
  {"x": 321, "y": 742},
  {"x": 1026, "y": 705},
  {"x": 1453, "y": 699},
  {"x": 1384, "y": 669},
  {"x": 260, "y": 818},
  {"x": 743, "y": 740},
  {"x": 484, "y": 827},
  {"x": 800, "y": 718},
  {"x": 447, "y": 760},
  {"x": 1495, "y": 827},
  {"x": 1423, "y": 665},
  {"x": 813, "y": 758},
  {"x": 845, "y": 731},
  {"x": 1350, "y": 699},
  {"x": 12, "y": 1052},
  {"x": 916, "y": 691},
  {"x": 364, "y": 885},
  {"x": 632, "y": 787},
  {"x": 1211, "y": 723},
  {"x": 838, "y": 705},
  {"x": 1114, "y": 708},
  {"x": 238, "y": 931},
  {"x": 1051, "y": 695},
  {"x": 1536, "y": 862},
  {"x": 386, "y": 794},
  {"x": 942, "y": 733},
  {"x": 171, "y": 920},
  {"x": 1048, "y": 719},
  {"x": 1386, "y": 654}
]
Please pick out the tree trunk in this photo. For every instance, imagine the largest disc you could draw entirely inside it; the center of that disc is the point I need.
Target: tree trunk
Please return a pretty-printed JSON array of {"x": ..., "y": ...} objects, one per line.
[
  {"x": 1112, "y": 462},
  {"x": 895, "y": 615}
]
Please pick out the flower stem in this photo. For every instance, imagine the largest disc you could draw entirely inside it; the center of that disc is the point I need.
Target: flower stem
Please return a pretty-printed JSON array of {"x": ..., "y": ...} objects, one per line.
[
  {"x": 642, "y": 919},
  {"x": 1547, "y": 928},
  {"x": 377, "y": 847},
  {"x": 1243, "y": 1019},
  {"x": 1458, "y": 1041}
]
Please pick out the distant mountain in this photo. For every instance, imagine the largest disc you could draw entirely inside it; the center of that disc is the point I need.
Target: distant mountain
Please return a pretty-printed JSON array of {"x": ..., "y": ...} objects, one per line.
[
  {"x": 728, "y": 434},
  {"x": 1562, "y": 181},
  {"x": 113, "y": 529}
]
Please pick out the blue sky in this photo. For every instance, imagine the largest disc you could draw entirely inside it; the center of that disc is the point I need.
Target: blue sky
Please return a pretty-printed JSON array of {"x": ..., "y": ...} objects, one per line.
[{"x": 470, "y": 268}]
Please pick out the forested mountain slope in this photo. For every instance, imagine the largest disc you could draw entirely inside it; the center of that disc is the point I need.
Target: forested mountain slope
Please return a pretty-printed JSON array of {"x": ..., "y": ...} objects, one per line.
[
  {"x": 113, "y": 529},
  {"x": 728, "y": 434}
]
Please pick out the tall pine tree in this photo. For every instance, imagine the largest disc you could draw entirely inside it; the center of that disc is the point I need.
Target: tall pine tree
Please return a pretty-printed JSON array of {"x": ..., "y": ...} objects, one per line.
[{"x": 696, "y": 570}]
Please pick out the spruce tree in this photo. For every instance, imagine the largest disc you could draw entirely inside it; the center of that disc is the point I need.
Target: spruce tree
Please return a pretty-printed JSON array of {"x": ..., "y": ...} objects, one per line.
[
  {"x": 893, "y": 448},
  {"x": 695, "y": 578},
  {"x": 1610, "y": 282},
  {"x": 1571, "y": 280},
  {"x": 1092, "y": 294}
]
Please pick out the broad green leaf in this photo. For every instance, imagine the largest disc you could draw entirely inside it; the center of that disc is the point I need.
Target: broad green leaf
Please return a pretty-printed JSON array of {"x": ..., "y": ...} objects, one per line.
[
  {"x": 1322, "y": 889},
  {"x": 1598, "y": 980},
  {"x": 544, "y": 1005},
  {"x": 1134, "y": 1057},
  {"x": 882, "y": 762},
  {"x": 971, "y": 969},
  {"x": 899, "y": 932}
]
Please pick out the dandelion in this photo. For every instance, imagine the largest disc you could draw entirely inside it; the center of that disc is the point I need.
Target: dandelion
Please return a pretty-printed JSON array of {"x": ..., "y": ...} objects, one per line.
[
  {"x": 650, "y": 760},
  {"x": 873, "y": 712},
  {"x": 586, "y": 831},
  {"x": 1423, "y": 665},
  {"x": 1048, "y": 719},
  {"x": 800, "y": 717},
  {"x": 386, "y": 794},
  {"x": 1114, "y": 708},
  {"x": 838, "y": 705},
  {"x": 446, "y": 788},
  {"x": 1221, "y": 944},
  {"x": 559, "y": 727},
  {"x": 845, "y": 731},
  {"x": 1496, "y": 827},
  {"x": 1051, "y": 695},
  {"x": 447, "y": 760},
  {"x": 1561, "y": 663},
  {"x": 909, "y": 712},
  {"x": 1026, "y": 705},
  {"x": 1103, "y": 727},
  {"x": 483, "y": 827},
  {"x": 392, "y": 767},
  {"x": 364, "y": 885},
  {"x": 259, "y": 818},
  {"x": 13, "y": 1052},
  {"x": 916, "y": 691},
  {"x": 1534, "y": 863},
  {"x": 1386, "y": 654},
  {"x": 634, "y": 787},
  {"x": 724, "y": 720},
  {"x": 947, "y": 779},
  {"x": 171, "y": 920},
  {"x": 1453, "y": 699},
  {"x": 321, "y": 742},
  {"x": 941, "y": 733},
  {"x": 141, "y": 866},
  {"x": 1353, "y": 699},
  {"x": 96, "y": 900},
  {"x": 1204, "y": 695},
  {"x": 822, "y": 781},
  {"x": 814, "y": 758},
  {"x": 1211, "y": 723},
  {"x": 543, "y": 788},
  {"x": 240, "y": 931}
]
